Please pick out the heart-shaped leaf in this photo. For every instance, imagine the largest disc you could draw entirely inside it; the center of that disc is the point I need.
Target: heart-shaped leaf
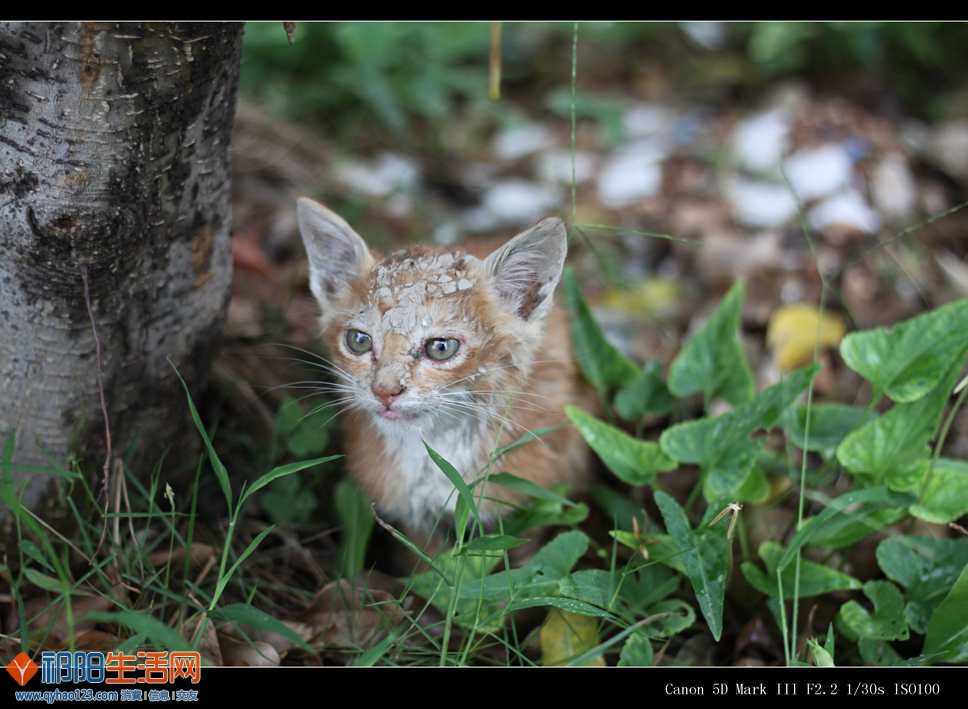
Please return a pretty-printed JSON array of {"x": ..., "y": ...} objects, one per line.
[
  {"x": 910, "y": 359},
  {"x": 713, "y": 361},
  {"x": 632, "y": 460}
]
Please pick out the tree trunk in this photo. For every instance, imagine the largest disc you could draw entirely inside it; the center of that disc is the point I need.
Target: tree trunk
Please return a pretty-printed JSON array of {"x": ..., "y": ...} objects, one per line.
[{"x": 114, "y": 191}]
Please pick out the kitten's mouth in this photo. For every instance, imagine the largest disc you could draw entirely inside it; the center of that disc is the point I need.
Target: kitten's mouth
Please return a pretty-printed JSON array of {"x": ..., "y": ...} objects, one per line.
[{"x": 396, "y": 415}]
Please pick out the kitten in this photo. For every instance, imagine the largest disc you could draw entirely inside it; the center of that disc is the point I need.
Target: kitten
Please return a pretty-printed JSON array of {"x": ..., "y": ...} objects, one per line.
[{"x": 466, "y": 352}]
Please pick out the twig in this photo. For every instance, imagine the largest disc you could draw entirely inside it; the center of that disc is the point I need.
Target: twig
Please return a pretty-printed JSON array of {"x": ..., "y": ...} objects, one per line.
[
  {"x": 494, "y": 82},
  {"x": 100, "y": 383},
  {"x": 289, "y": 27}
]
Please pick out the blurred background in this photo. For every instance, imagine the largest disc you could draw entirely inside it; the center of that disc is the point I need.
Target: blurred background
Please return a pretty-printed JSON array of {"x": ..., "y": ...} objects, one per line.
[{"x": 791, "y": 155}]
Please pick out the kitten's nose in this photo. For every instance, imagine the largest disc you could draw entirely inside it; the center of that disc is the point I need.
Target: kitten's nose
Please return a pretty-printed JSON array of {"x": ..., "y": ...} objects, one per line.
[{"x": 387, "y": 393}]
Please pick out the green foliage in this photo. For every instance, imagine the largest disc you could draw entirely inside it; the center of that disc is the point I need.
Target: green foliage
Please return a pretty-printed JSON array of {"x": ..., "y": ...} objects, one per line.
[
  {"x": 647, "y": 394},
  {"x": 944, "y": 498},
  {"x": 704, "y": 553},
  {"x": 356, "y": 520},
  {"x": 814, "y": 579},
  {"x": 946, "y": 639},
  {"x": 911, "y": 359},
  {"x": 602, "y": 364},
  {"x": 226, "y": 572},
  {"x": 722, "y": 446},
  {"x": 358, "y": 72},
  {"x": 713, "y": 361},
  {"x": 633, "y": 461},
  {"x": 916, "y": 363},
  {"x": 887, "y": 622},
  {"x": 827, "y": 424}
]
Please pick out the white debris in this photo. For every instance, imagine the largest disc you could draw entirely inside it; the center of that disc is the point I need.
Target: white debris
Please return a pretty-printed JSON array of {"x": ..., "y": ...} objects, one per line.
[
  {"x": 522, "y": 139},
  {"x": 817, "y": 172},
  {"x": 520, "y": 201},
  {"x": 446, "y": 234},
  {"x": 555, "y": 166},
  {"x": 634, "y": 172},
  {"x": 760, "y": 204},
  {"x": 759, "y": 142},
  {"x": 949, "y": 147},
  {"x": 893, "y": 188},
  {"x": 387, "y": 174},
  {"x": 645, "y": 119},
  {"x": 729, "y": 256},
  {"x": 708, "y": 35},
  {"x": 847, "y": 210}
]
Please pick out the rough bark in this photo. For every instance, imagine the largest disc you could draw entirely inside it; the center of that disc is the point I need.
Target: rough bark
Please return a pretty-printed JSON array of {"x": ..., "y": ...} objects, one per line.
[{"x": 114, "y": 169}]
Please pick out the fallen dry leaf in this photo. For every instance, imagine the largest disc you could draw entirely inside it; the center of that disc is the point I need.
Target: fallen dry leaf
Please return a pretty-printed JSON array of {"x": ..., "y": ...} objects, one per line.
[
  {"x": 795, "y": 331},
  {"x": 201, "y": 553},
  {"x": 345, "y": 615},
  {"x": 566, "y": 635},
  {"x": 238, "y": 653}
]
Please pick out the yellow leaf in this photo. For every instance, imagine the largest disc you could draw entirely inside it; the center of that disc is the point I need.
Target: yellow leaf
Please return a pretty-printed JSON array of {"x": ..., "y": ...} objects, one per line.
[
  {"x": 653, "y": 297},
  {"x": 566, "y": 635},
  {"x": 795, "y": 330}
]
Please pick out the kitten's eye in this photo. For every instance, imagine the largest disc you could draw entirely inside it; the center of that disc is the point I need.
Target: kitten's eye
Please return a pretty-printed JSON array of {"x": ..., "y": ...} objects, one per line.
[
  {"x": 440, "y": 348},
  {"x": 358, "y": 341}
]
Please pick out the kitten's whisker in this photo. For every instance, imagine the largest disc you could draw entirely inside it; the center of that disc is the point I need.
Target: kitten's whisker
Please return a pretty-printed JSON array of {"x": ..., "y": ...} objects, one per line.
[
  {"x": 325, "y": 363},
  {"x": 477, "y": 408}
]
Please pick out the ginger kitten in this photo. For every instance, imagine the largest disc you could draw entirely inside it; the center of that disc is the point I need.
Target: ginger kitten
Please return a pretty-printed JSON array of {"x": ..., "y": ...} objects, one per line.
[{"x": 463, "y": 350}]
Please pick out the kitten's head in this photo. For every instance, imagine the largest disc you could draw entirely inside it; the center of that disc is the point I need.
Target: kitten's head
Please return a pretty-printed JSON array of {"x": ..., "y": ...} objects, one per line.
[{"x": 425, "y": 337}]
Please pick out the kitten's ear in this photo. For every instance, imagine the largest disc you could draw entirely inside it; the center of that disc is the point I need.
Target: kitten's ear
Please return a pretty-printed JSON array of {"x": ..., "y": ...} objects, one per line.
[
  {"x": 526, "y": 270},
  {"x": 337, "y": 254}
]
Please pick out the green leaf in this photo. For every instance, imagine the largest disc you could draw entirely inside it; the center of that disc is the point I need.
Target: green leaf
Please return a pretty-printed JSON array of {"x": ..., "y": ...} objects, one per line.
[
  {"x": 910, "y": 359},
  {"x": 947, "y": 636},
  {"x": 282, "y": 471},
  {"x": 529, "y": 488},
  {"x": 821, "y": 658},
  {"x": 898, "y": 439},
  {"x": 492, "y": 543},
  {"x": 224, "y": 580},
  {"x": 886, "y": 623},
  {"x": 647, "y": 394},
  {"x": 823, "y": 655},
  {"x": 863, "y": 522},
  {"x": 926, "y": 567},
  {"x": 356, "y": 519},
  {"x": 544, "y": 513},
  {"x": 722, "y": 446},
  {"x": 540, "y": 576},
  {"x": 220, "y": 472},
  {"x": 463, "y": 491},
  {"x": 604, "y": 366},
  {"x": 376, "y": 653},
  {"x": 631, "y": 460},
  {"x": 829, "y": 424},
  {"x": 669, "y": 617},
  {"x": 839, "y": 513},
  {"x": 713, "y": 361},
  {"x": 523, "y": 439},
  {"x": 617, "y": 506},
  {"x": 945, "y": 497},
  {"x": 648, "y": 585},
  {"x": 244, "y": 614},
  {"x": 636, "y": 652},
  {"x": 305, "y": 435},
  {"x": 162, "y": 636},
  {"x": 704, "y": 557},
  {"x": 879, "y": 652},
  {"x": 815, "y": 579},
  {"x": 288, "y": 501},
  {"x": 48, "y": 583}
]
